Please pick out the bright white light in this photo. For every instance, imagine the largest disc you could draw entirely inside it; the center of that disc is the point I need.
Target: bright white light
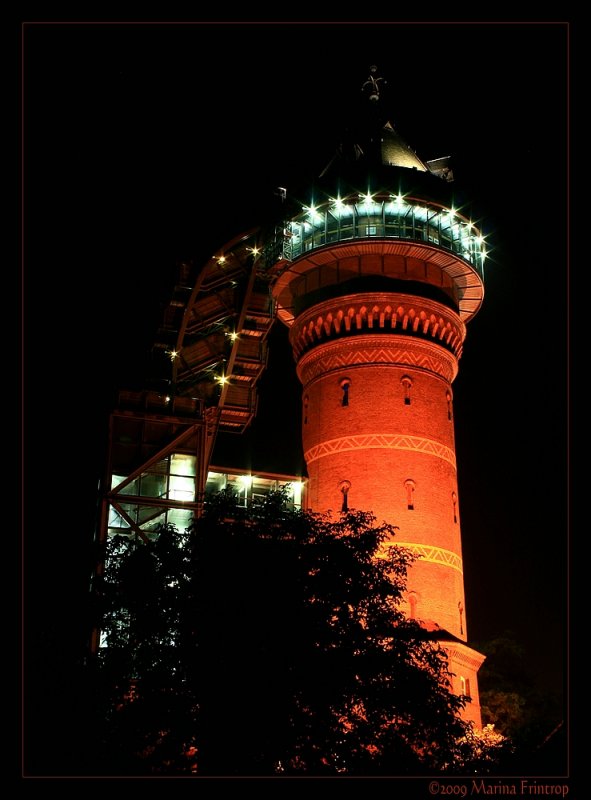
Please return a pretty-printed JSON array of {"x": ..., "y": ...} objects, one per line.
[
  {"x": 480, "y": 239},
  {"x": 367, "y": 198},
  {"x": 172, "y": 354},
  {"x": 246, "y": 480},
  {"x": 167, "y": 399},
  {"x": 396, "y": 202},
  {"x": 297, "y": 492},
  {"x": 313, "y": 213},
  {"x": 222, "y": 380},
  {"x": 233, "y": 336},
  {"x": 182, "y": 464},
  {"x": 254, "y": 250},
  {"x": 221, "y": 260},
  {"x": 338, "y": 204},
  {"x": 181, "y": 495}
]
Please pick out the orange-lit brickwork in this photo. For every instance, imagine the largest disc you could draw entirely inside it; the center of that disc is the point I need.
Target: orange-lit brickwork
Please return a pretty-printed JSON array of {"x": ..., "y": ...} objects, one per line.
[{"x": 378, "y": 435}]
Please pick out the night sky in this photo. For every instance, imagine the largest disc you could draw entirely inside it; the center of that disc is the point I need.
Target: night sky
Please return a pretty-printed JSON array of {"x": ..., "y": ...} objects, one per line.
[{"x": 148, "y": 144}]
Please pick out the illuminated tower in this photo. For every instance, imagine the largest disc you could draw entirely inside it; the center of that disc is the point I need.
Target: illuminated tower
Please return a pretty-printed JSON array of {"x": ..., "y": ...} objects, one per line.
[{"x": 377, "y": 279}]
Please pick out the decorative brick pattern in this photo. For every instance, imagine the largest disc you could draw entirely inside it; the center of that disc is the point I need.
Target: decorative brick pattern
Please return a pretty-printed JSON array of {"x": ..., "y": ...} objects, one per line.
[
  {"x": 381, "y": 441},
  {"x": 369, "y": 313},
  {"x": 435, "y": 555},
  {"x": 373, "y": 350}
]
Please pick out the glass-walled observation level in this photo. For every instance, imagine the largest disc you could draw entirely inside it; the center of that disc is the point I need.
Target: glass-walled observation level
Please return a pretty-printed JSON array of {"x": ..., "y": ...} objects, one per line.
[
  {"x": 168, "y": 491},
  {"x": 250, "y": 489},
  {"x": 383, "y": 216},
  {"x": 155, "y": 471},
  {"x": 163, "y": 494}
]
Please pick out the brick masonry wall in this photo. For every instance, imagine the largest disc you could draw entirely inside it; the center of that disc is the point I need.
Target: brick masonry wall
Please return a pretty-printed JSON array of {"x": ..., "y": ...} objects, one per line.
[{"x": 376, "y": 443}]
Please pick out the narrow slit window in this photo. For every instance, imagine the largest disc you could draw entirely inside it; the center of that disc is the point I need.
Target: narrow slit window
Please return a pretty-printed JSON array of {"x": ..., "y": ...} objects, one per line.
[
  {"x": 465, "y": 688},
  {"x": 412, "y": 601},
  {"x": 344, "y": 487},
  {"x": 449, "y": 398},
  {"x": 345, "y": 384},
  {"x": 406, "y": 384},
  {"x": 306, "y": 401},
  {"x": 454, "y": 500},
  {"x": 461, "y": 613},
  {"x": 410, "y": 492}
]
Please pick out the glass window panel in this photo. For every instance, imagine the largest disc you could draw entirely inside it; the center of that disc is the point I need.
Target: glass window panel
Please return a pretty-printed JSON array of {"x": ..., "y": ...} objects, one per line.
[
  {"x": 240, "y": 484},
  {"x": 181, "y": 488},
  {"x": 116, "y": 520},
  {"x": 182, "y": 464},
  {"x": 216, "y": 482},
  {"x": 116, "y": 480},
  {"x": 150, "y": 517},
  {"x": 297, "y": 493},
  {"x": 152, "y": 485},
  {"x": 181, "y": 517},
  {"x": 131, "y": 488}
]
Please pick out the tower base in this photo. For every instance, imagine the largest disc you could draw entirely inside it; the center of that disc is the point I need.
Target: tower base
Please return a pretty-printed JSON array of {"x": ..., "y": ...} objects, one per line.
[{"x": 464, "y": 663}]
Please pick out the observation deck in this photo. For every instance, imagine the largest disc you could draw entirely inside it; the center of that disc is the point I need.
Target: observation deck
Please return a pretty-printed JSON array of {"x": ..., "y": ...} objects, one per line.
[{"x": 395, "y": 236}]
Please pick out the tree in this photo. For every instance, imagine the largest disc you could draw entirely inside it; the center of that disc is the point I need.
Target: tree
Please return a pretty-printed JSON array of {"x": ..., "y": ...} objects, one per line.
[
  {"x": 513, "y": 703},
  {"x": 267, "y": 642}
]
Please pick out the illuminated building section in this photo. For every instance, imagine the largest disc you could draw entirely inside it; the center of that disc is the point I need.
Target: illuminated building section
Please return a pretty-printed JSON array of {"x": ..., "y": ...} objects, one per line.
[
  {"x": 377, "y": 278},
  {"x": 155, "y": 464},
  {"x": 209, "y": 354},
  {"x": 251, "y": 490}
]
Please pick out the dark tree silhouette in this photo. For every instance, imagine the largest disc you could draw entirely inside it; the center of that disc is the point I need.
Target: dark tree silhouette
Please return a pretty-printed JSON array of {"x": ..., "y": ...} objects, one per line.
[
  {"x": 267, "y": 642},
  {"x": 514, "y": 704}
]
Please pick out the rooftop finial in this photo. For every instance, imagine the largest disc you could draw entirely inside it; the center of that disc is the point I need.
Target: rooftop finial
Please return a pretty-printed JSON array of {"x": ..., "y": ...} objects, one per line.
[{"x": 371, "y": 87}]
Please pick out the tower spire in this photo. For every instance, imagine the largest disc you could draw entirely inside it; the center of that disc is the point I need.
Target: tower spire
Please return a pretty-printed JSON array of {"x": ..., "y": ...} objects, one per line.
[
  {"x": 371, "y": 87},
  {"x": 371, "y": 139}
]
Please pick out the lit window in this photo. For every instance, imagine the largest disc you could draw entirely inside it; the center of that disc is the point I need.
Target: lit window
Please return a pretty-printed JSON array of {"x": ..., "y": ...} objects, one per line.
[
  {"x": 153, "y": 484},
  {"x": 448, "y": 396},
  {"x": 180, "y": 517},
  {"x": 182, "y": 464},
  {"x": 465, "y": 688},
  {"x": 406, "y": 383},
  {"x": 181, "y": 488},
  {"x": 296, "y": 489}
]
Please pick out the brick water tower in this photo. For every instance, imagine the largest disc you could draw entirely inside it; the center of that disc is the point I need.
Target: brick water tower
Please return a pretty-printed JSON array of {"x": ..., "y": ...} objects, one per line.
[{"x": 378, "y": 275}]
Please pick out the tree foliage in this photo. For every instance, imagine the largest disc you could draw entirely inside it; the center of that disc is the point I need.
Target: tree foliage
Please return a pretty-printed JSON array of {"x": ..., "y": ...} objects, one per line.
[
  {"x": 513, "y": 703},
  {"x": 266, "y": 642}
]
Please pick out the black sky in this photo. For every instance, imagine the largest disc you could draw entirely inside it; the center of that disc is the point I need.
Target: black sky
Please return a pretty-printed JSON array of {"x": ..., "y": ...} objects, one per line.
[{"x": 147, "y": 144}]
